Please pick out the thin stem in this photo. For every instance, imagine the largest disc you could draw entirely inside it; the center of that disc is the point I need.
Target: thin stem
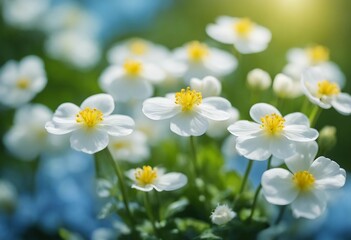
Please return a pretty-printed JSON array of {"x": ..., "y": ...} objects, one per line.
[
  {"x": 281, "y": 214},
  {"x": 194, "y": 157},
  {"x": 246, "y": 175},
  {"x": 118, "y": 172},
  {"x": 149, "y": 212},
  {"x": 316, "y": 111},
  {"x": 305, "y": 105}
]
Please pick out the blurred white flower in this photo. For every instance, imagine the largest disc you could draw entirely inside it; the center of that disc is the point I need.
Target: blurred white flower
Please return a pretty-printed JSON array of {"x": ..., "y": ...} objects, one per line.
[
  {"x": 132, "y": 148},
  {"x": 304, "y": 186},
  {"x": 208, "y": 86},
  {"x": 286, "y": 87},
  {"x": 23, "y": 13},
  {"x": 217, "y": 129},
  {"x": 131, "y": 81},
  {"x": 91, "y": 124},
  {"x": 202, "y": 60},
  {"x": 271, "y": 134},
  {"x": 259, "y": 79},
  {"x": 8, "y": 195},
  {"x": 247, "y": 36},
  {"x": 27, "y": 138},
  {"x": 79, "y": 49},
  {"x": 228, "y": 147},
  {"x": 20, "y": 82},
  {"x": 324, "y": 92},
  {"x": 138, "y": 49},
  {"x": 300, "y": 59},
  {"x": 187, "y": 111},
  {"x": 222, "y": 214},
  {"x": 148, "y": 178}
]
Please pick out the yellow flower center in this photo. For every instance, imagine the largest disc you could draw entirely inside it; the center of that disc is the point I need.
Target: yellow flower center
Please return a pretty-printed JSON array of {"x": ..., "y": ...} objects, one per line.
[
  {"x": 188, "y": 98},
  {"x": 303, "y": 180},
  {"x": 145, "y": 176},
  {"x": 89, "y": 117},
  {"x": 120, "y": 145},
  {"x": 327, "y": 88},
  {"x": 138, "y": 47},
  {"x": 318, "y": 54},
  {"x": 273, "y": 124},
  {"x": 243, "y": 27},
  {"x": 197, "y": 51},
  {"x": 22, "y": 83},
  {"x": 132, "y": 67}
]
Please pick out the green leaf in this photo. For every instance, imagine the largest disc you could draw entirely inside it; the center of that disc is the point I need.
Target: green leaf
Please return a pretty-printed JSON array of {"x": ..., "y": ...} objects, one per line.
[{"x": 176, "y": 207}]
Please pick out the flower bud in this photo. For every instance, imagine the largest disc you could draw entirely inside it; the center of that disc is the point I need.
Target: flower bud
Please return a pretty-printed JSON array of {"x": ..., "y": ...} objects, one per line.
[
  {"x": 327, "y": 138},
  {"x": 209, "y": 86},
  {"x": 258, "y": 79},
  {"x": 285, "y": 87},
  {"x": 222, "y": 214}
]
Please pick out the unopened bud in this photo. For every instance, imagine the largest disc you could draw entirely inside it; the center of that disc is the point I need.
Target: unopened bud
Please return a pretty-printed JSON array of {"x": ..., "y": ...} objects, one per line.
[{"x": 258, "y": 79}]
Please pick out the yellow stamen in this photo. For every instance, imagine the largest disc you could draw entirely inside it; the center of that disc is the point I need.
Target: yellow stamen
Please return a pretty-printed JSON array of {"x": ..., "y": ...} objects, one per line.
[
  {"x": 146, "y": 176},
  {"x": 188, "y": 98},
  {"x": 197, "y": 51},
  {"x": 138, "y": 47},
  {"x": 243, "y": 27},
  {"x": 89, "y": 117},
  {"x": 132, "y": 67},
  {"x": 120, "y": 145},
  {"x": 273, "y": 123},
  {"x": 22, "y": 83},
  {"x": 303, "y": 180},
  {"x": 318, "y": 54},
  {"x": 327, "y": 88}
]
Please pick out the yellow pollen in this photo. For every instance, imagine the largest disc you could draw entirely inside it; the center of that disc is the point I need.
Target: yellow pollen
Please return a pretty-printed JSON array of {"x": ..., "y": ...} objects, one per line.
[
  {"x": 132, "y": 67},
  {"x": 145, "y": 176},
  {"x": 188, "y": 98},
  {"x": 327, "y": 88},
  {"x": 303, "y": 180},
  {"x": 243, "y": 27},
  {"x": 197, "y": 51},
  {"x": 318, "y": 54},
  {"x": 89, "y": 117},
  {"x": 120, "y": 145},
  {"x": 22, "y": 83},
  {"x": 138, "y": 47},
  {"x": 273, "y": 124}
]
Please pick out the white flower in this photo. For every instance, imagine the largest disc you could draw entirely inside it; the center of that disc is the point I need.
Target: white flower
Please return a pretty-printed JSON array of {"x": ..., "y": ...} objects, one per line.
[
  {"x": 23, "y": 13},
  {"x": 20, "y": 82},
  {"x": 299, "y": 59},
  {"x": 202, "y": 60},
  {"x": 132, "y": 148},
  {"x": 271, "y": 134},
  {"x": 222, "y": 215},
  {"x": 324, "y": 92},
  {"x": 28, "y": 137},
  {"x": 258, "y": 79},
  {"x": 148, "y": 178},
  {"x": 247, "y": 36},
  {"x": 218, "y": 129},
  {"x": 79, "y": 49},
  {"x": 91, "y": 124},
  {"x": 138, "y": 49},
  {"x": 187, "y": 111},
  {"x": 286, "y": 87},
  {"x": 131, "y": 81},
  {"x": 209, "y": 86},
  {"x": 304, "y": 186}
]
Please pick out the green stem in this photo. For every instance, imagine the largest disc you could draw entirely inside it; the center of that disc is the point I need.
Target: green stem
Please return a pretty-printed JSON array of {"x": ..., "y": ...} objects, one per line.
[
  {"x": 149, "y": 212},
  {"x": 106, "y": 155},
  {"x": 194, "y": 157},
  {"x": 316, "y": 111},
  {"x": 281, "y": 214},
  {"x": 246, "y": 175},
  {"x": 305, "y": 105}
]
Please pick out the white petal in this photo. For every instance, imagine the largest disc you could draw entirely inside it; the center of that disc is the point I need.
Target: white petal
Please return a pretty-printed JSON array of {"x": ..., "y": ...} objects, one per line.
[
  {"x": 327, "y": 173},
  {"x": 309, "y": 205},
  {"x": 89, "y": 141},
  {"x": 278, "y": 187},
  {"x": 60, "y": 128},
  {"x": 217, "y": 102},
  {"x": 300, "y": 133},
  {"x": 189, "y": 124},
  {"x": 66, "y": 113},
  {"x": 302, "y": 160},
  {"x": 254, "y": 148},
  {"x": 244, "y": 128},
  {"x": 220, "y": 62},
  {"x": 153, "y": 73},
  {"x": 220, "y": 33},
  {"x": 146, "y": 188},
  {"x": 171, "y": 181},
  {"x": 214, "y": 109},
  {"x": 103, "y": 102},
  {"x": 262, "y": 109},
  {"x": 159, "y": 108},
  {"x": 342, "y": 103},
  {"x": 282, "y": 147},
  {"x": 130, "y": 89},
  {"x": 118, "y": 125},
  {"x": 297, "y": 119},
  {"x": 108, "y": 77}
]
